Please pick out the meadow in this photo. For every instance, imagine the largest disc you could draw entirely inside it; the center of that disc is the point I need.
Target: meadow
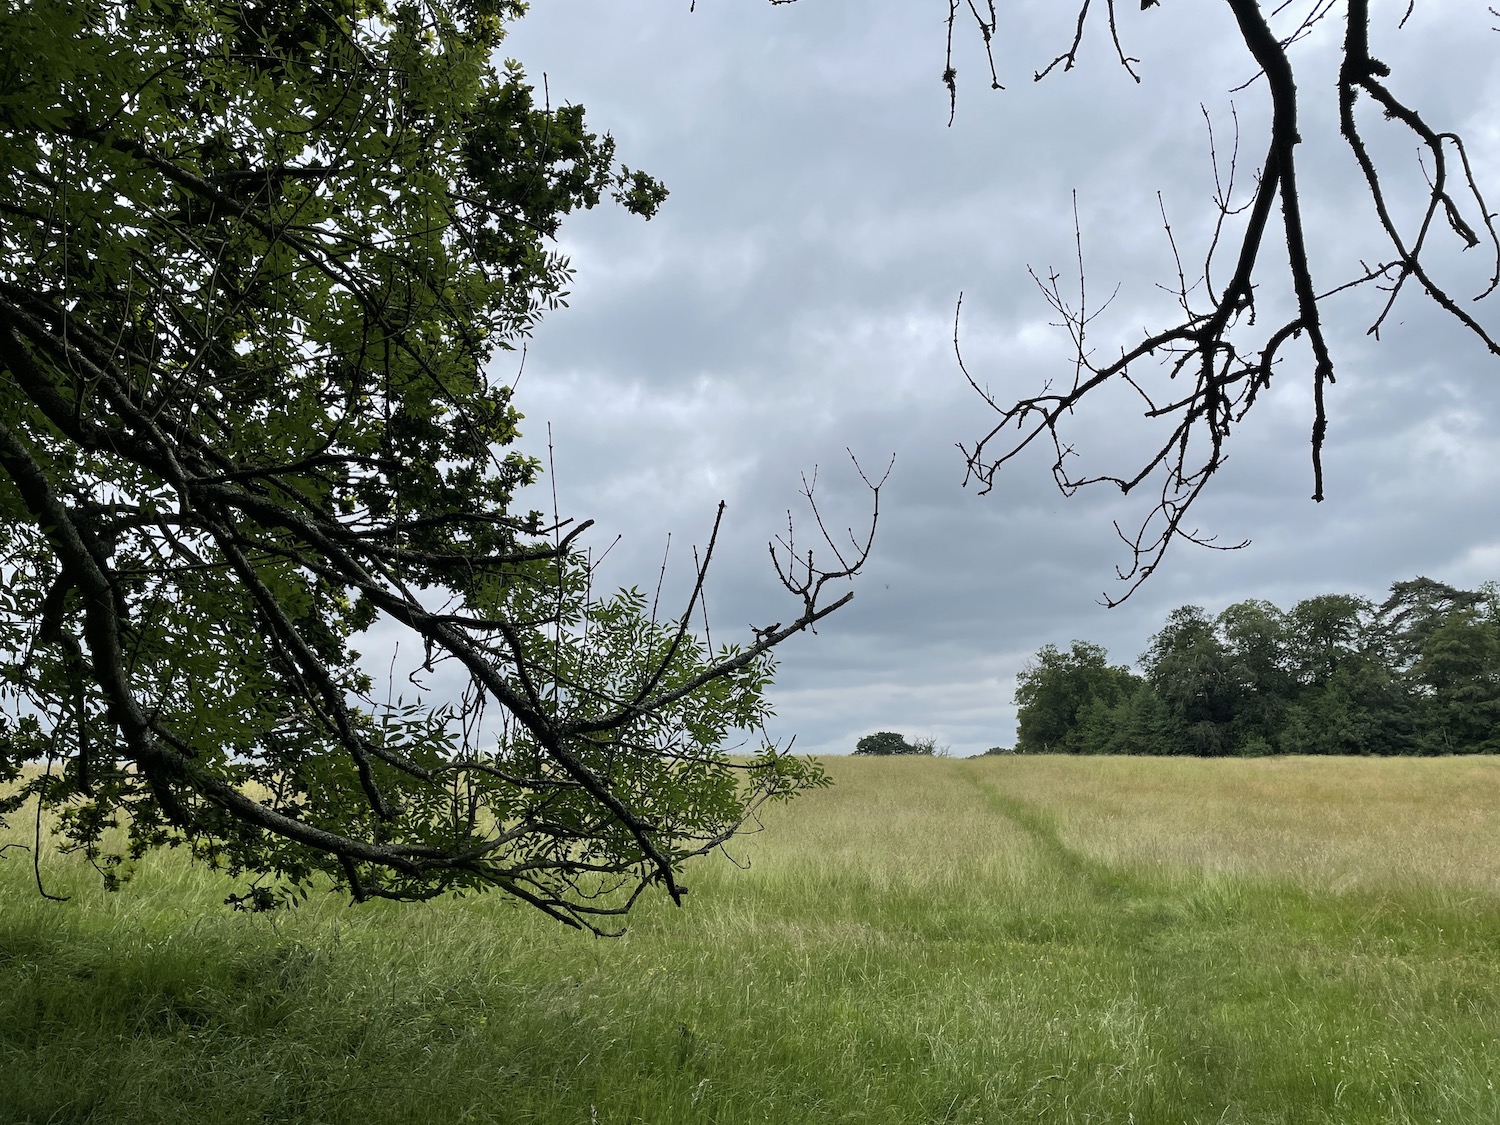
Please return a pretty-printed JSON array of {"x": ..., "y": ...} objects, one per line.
[{"x": 1029, "y": 939}]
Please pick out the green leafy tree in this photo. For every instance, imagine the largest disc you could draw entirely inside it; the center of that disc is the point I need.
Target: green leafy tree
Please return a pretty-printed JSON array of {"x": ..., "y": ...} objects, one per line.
[
  {"x": 1256, "y": 635},
  {"x": 257, "y": 258},
  {"x": 1055, "y": 688},
  {"x": 1138, "y": 724},
  {"x": 1459, "y": 672},
  {"x": 886, "y": 742},
  {"x": 882, "y": 743},
  {"x": 1191, "y": 670},
  {"x": 1326, "y": 632},
  {"x": 1414, "y": 611},
  {"x": 1362, "y": 708},
  {"x": 1332, "y": 676}
]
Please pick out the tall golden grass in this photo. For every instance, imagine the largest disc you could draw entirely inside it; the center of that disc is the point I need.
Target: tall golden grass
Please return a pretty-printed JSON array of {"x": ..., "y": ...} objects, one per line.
[{"x": 1001, "y": 940}]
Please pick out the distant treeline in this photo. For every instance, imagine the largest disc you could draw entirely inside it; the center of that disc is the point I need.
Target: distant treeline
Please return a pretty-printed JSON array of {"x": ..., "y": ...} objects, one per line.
[{"x": 1336, "y": 674}]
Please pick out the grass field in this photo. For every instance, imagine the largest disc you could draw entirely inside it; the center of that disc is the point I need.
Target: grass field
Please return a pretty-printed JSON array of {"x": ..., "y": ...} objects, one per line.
[{"x": 994, "y": 940}]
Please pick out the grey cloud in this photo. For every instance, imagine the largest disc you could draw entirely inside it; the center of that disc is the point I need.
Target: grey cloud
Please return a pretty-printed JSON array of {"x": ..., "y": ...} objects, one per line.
[{"x": 796, "y": 294}]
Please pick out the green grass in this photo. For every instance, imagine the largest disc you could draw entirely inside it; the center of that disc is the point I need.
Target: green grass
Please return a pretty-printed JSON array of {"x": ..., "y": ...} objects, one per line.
[{"x": 999, "y": 940}]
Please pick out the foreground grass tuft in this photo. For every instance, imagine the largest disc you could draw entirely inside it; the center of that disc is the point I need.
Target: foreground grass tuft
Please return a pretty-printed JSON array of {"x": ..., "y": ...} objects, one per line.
[{"x": 1029, "y": 939}]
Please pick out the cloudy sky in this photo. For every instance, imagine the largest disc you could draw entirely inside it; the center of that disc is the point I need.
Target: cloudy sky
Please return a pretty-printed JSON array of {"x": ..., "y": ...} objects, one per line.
[{"x": 795, "y": 298}]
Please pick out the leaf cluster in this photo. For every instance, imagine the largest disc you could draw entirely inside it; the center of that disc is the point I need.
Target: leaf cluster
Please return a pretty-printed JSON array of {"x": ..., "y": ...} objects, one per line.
[{"x": 256, "y": 263}]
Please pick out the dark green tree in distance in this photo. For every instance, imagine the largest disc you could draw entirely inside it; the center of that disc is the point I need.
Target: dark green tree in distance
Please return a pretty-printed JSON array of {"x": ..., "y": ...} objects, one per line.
[
  {"x": 1415, "y": 610},
  {"x": 1190, "y": 668},
  {"x": 1139, "y": 723},
  {"x": 1362, "y": 708},
  {"x": 1458, "y": 672},
  {"x": 1333, "y": 675},
  {"x": 1256, "y": 636},
  {"x": 1325, "y": 633},
  {"x": 257, "y": 261},
  {"x": 1349, "y": 699},
  {"x": 1056, "y": 687},
  {"x": 882, "y": 743},
  {"x": 885, "y": 743}
]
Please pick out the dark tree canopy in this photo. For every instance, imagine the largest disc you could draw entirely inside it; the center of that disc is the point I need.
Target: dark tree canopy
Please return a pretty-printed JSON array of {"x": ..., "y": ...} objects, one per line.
[
  {"x": 882, "y": 742},
  {"x": 885, "y": 742},
  {"x": 259, "y": 260},
  {"x": 1332, "y": 675},
  {"x": 1414, "y": 611},
  {"x": 1198, "y": 376},
  {"x": 1055, "y": 691}
]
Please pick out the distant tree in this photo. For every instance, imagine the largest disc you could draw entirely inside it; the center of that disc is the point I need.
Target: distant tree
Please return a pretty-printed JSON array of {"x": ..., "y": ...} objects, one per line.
[
  {"x": 1191, "y": 670},
  {"x": 1326, "y": 632},
  {"x": 1331, "y": 676},
  {"x": 1054, "y": 688},
  {"x": 1256, "y": 636},
  {"x": 1459, "y": 673},
  {"x": 883, "y": 743},
  {"x": 1361, "y": 708},
  {"x": 1139, "y": 723},
  {"x": 927, "y": 746},
  {"x": 1414, "y": 611}
]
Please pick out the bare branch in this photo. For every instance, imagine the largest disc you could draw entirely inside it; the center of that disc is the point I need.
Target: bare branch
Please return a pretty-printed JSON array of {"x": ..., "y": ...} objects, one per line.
[{"x": 1212, "y": 348}]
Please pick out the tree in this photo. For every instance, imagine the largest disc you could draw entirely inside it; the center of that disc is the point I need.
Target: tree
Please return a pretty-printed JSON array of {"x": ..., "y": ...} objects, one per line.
[
  {"x": 882, "y": 743},
  {"x": 885, "y": 743},
  {"x": 1324, "y": 678},
  {"x": 1138, "y": 724},
  {"x": 1360, "y": 708},
  {"x": 1190, "y": 669},
  {"x": 1415, "y": 610},
  {"x": 1054, "y": 690},
  {"x": 927, "y": 746},
  {"x": 1198, "y": 377},
  {"x": 1256, "y": 635},
  {"x": 1325, "y": 633},
  {"x": 258, "y": 259},
  {"x": 1459, "y": 670}
]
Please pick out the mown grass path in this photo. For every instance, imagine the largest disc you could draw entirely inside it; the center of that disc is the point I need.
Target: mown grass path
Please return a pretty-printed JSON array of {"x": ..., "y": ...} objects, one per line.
[
  {"x": 1265, "y": 998},
  {"x": 1024, "y": 940}
]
